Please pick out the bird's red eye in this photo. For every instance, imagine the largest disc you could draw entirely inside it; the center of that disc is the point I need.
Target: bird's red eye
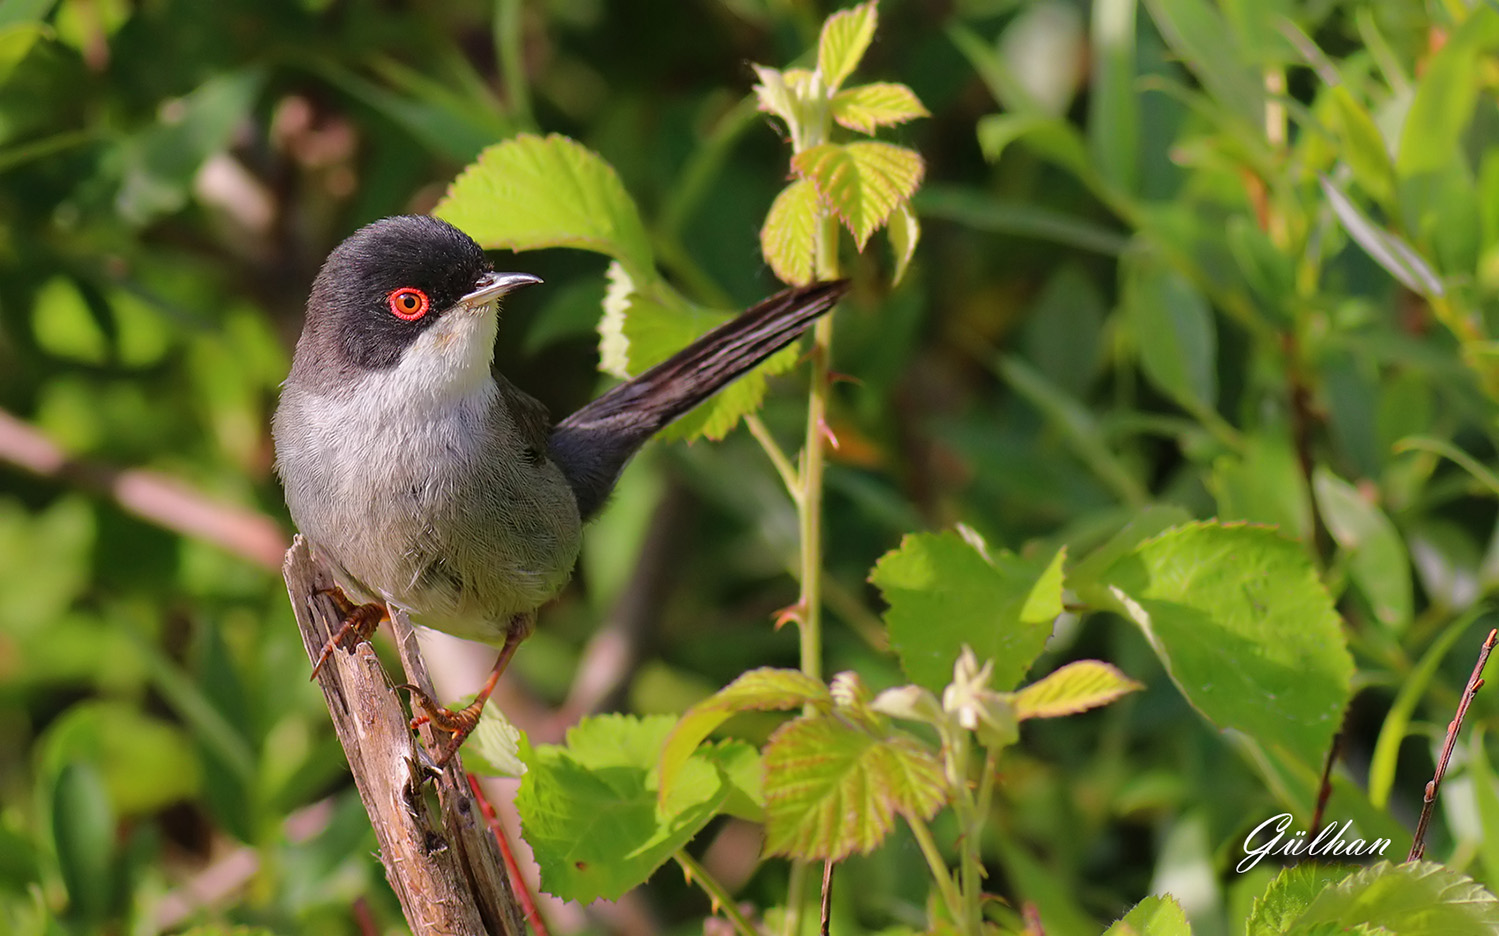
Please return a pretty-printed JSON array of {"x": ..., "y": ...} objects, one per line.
[{"x": 408, "y": 303}]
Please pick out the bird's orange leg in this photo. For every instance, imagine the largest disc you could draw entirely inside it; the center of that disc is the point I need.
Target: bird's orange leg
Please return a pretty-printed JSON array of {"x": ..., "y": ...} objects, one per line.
[
  {"x": 461, "y": 723},
  {"x": 360, "y": 623}
]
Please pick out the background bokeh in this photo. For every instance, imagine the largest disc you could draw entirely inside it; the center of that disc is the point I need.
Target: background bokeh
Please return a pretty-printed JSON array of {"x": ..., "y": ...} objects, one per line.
[{"x": 1240, "y": 257}]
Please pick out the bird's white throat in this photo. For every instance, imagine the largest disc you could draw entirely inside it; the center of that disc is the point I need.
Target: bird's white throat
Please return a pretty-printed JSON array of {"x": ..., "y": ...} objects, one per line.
[{"x": 448, "y": 362}]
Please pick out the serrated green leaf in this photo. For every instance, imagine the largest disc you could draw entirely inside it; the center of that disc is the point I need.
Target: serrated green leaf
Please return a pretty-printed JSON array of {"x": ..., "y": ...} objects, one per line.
[
  {"x": 530, "y": 192},
  {"x": 493, "y": 748},
  {"x": 644, "y": 324},
  {"x": 862, "y": 183},
  {"x": 944, "y": 592},
  {"x": 1074, "y": 688},
  {"x": 1153, "y": 916},
  {"x": 831, "y": 790},
  {"x": 789, "y": 238},
  {"x": 845, "y": 37},
  {"x": 905, "y": 232},
  {"x": 774, "y": 96},
  {"x": 762, "y": 689},
  {"x": 1417, "y": 899},
  {"x": 1288, "y": 896},
  {"x": 591, "y": 813},
  {"x": 878, "y": 104},
  {"x": 1378, "y": 562},
  {"x": 1245, "y": 628},
  {"x": 1393, "y": 254}
]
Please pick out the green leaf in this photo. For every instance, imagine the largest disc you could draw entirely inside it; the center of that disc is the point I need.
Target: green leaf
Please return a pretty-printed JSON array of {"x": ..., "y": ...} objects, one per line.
[
  {"x": 789, "y": 238},
  {"x": 1417, "y": 899},
  {"x": 757, "y": 690},
  {"x": 1114, "y": 106},
  {"x": 1074, "y": 688},
  {"x": 1443, "y": 104},
  {"x": 831, "y": 789},
  {"x": 1393, "y": 254},
  {"x": 1197, "y": 32},
  {"x": 531, "y": 192},
  {"x": 946, "y": 590},
  {"x": 644, "y": 325},
  {"x": 493, "y": 749},
  {"x": 591, "y": 811},
  {"x": 1153, "y": 916},
  {"x": 863, "y": 183},
  {"x": 775, "y": 96},
  {"x": 1288, "y": 896},
  {"x": 1246, "y": 629},
  {"x": 878, "y": 104},
  {"x": 1174, "y": 331},
  {"x": 1363, "y": 146},
  {"x": 1486, "y": 795},
  {"x": 904, "y": 231},
  {"x": 1051, "y": 137},
  {"x": 1378, "y": 561},
  {"x": 83, "y": 837},
  {"x": 145, "y": 763},
  {"x": 845, "y": 37},
  {"x": 16, "y": 40}
]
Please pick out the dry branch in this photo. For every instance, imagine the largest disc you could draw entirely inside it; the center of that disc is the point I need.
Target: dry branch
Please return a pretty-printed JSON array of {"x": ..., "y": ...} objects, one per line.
[{"x": 442, "y": 863}]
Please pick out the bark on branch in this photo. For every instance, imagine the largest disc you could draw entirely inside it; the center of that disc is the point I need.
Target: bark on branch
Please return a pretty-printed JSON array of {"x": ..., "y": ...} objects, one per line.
[{"x": 442, "y": 862}]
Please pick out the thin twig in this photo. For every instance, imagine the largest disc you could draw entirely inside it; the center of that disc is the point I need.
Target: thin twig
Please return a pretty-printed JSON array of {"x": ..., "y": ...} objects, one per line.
[
  {"x": 1324, "y": 790},
  {"x": 718, "y": 896},
  {"x": 775, "y": 453},
  {"x": 827, "y": 896},
  {"x": 1475, "y": 682},
  {"x": 512, "y": 867},
  {"x": 153, "y": 497}
]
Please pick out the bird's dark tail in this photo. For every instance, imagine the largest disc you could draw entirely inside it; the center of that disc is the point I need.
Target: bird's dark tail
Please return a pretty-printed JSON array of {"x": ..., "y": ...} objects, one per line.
[{"x": 592, "y": 445}]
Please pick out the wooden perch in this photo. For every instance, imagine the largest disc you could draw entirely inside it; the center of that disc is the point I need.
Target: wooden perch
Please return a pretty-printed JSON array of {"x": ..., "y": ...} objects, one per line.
[{"x": 443, "y": 864}]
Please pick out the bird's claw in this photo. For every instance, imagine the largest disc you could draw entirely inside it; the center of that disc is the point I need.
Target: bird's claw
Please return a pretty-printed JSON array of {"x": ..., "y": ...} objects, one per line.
[
  {"x": 459, "y": 725},
  {"x": 359, "y": 625}
]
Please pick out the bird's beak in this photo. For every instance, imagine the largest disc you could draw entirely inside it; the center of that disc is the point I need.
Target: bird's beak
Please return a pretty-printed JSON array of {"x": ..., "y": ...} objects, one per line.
[{"x": 493, "y": 285}]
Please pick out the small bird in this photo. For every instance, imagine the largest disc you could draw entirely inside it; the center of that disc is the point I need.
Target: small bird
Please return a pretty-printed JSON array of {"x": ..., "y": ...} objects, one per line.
[{"x": 424, "y": 479}]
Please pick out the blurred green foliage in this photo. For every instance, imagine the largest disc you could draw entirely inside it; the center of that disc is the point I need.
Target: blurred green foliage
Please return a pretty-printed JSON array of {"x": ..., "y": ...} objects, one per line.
[{"x": 1180, "y": 259}]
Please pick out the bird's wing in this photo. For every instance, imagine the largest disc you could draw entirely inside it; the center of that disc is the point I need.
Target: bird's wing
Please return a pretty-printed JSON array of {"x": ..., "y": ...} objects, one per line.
[{"x": 532, "y": 421}]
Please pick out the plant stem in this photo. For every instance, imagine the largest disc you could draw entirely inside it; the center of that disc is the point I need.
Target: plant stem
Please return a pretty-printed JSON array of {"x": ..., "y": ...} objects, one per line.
[
  {"x": 715, "y": 891},
  {"x": 777, "y": 457},
  {"x": 940, "y": 875}
]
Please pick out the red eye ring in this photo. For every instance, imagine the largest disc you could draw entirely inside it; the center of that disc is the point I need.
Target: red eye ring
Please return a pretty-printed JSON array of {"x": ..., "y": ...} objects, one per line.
[{"x": 408, "y": 303}]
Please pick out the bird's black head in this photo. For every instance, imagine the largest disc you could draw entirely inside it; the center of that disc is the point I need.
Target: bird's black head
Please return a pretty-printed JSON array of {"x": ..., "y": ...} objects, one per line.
[{"x": 384, "y": 287}]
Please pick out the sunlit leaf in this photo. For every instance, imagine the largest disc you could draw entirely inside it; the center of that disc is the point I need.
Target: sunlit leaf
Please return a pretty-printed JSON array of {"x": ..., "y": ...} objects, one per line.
[
  {"x": 1076, "y": 687},
  {"x": 789, "y": 238},
  {"x": 1153, "y": 916},
  {"x": 944, "y": 592},
  {"x": 862, "y": 183},
  {"x": 879, "y": 104},
  {"x": 905, "y": 232},
  {"x": 831, "y": 789},
  {"x": 1293, "y": 890},
  {"x": 774, "y": 96},
  {"x": 493, "y": 749},
  {"x": 531, "y": 192},
  {"x": 590, "y": 809},
  {"x": 1418, "y": 899},
  {"x": 845, "y": 37},
  {"x": 757, "y": 690},
  {"x": 1246, "y": 630}
]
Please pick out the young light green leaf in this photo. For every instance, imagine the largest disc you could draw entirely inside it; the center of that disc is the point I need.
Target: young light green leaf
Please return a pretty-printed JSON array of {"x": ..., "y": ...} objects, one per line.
[
  {"x": 1154, "y": 916},
  {"x": 592, "y": 814},
  {"x": 614, "y": 347},
  {"x": 530, "y": 192},
  {"x": 905, "y": 231},
  {"x": 1363, "y": 146},
  {"x": 1293, "y": 890},
  {"x": 757, "y": 690},
  {"x": 494, "y": 747},
  {"x": 1074, "y": 688},
  {"x": 944, "y": 593},
  {"x": 789, "y": 238},
  {"x": 861, "y": 182},
  {"x": 774, "y": 96},
  {"x": 845, "y": 37},
  {"x": 878, "y": 104},
  {"x": 1378, "y": 561},
  {"x": 1417, "y": 899},
  {"x": 1443, "y": 104},
  {"x": 1246, "y": 629},
  {"x": 831, "y": 789},
  {"x": 1397, "y": 257}
]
